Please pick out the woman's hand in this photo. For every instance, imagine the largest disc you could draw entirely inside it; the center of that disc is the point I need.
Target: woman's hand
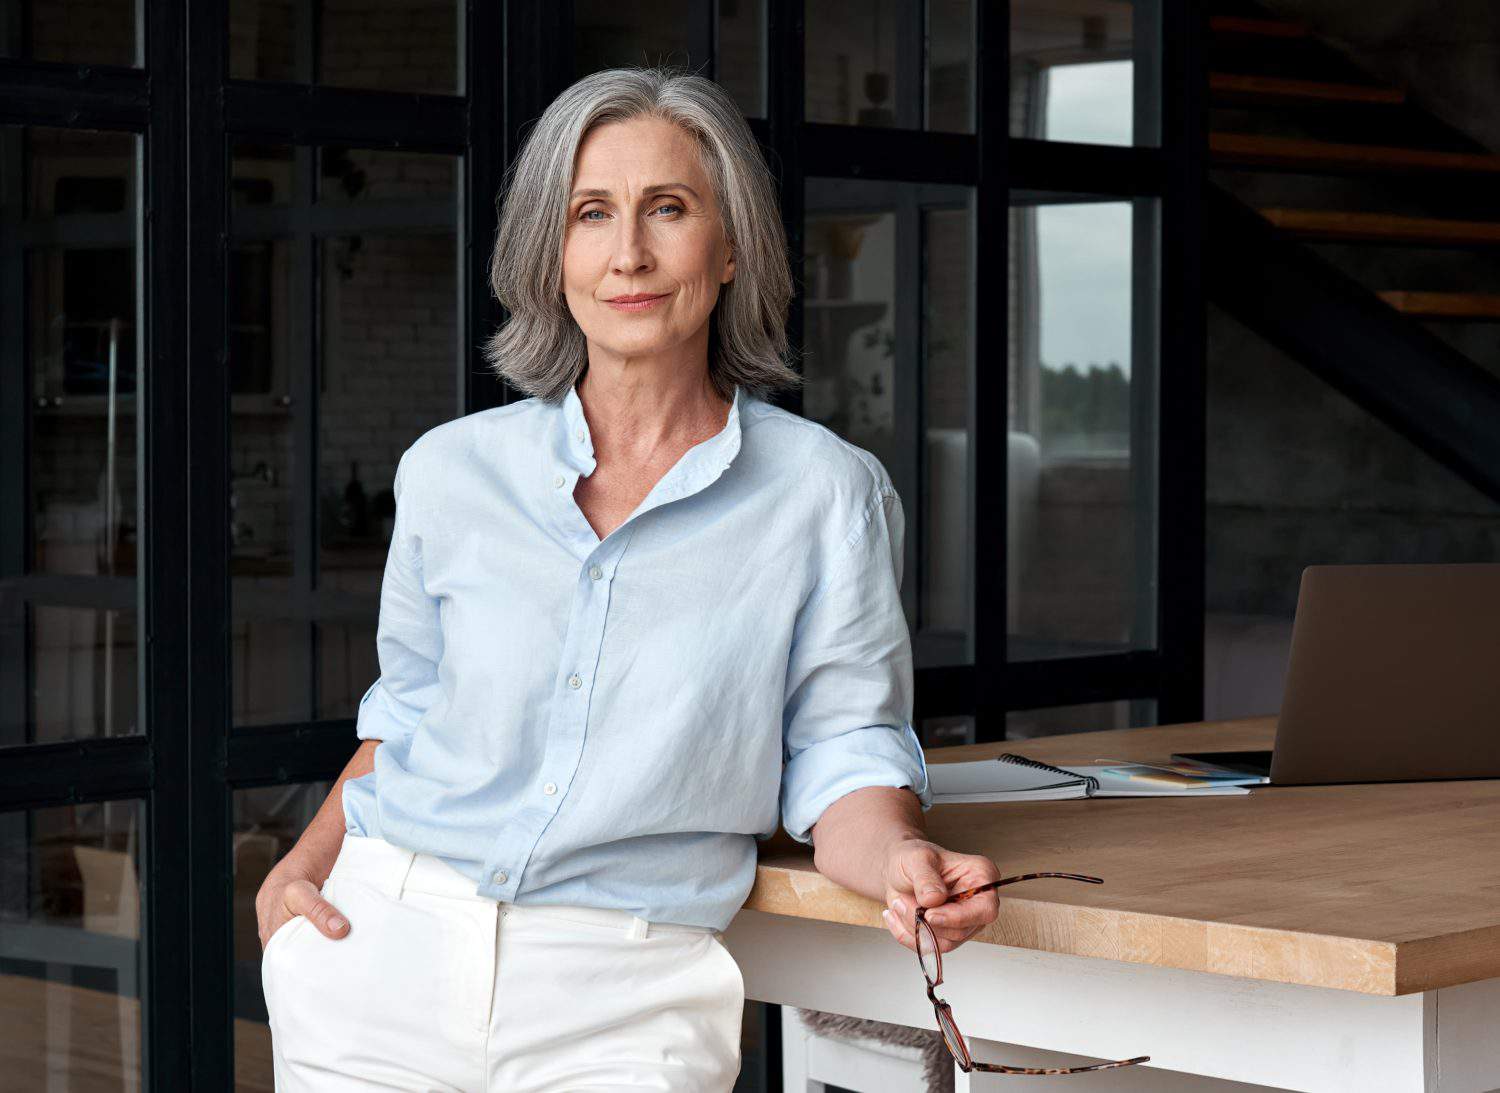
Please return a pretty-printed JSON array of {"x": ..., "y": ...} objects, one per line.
[
  {"x": 922, "y": 873},
  {"x": 289, "y": 891}
]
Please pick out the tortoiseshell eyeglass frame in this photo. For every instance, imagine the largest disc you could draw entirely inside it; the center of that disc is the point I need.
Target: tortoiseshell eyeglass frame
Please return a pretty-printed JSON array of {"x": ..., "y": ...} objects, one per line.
[{"x": 960, "y": 1050}]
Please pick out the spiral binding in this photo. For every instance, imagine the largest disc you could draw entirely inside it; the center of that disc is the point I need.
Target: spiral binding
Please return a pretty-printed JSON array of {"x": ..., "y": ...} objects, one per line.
[{"x": 1021, "y": 760}]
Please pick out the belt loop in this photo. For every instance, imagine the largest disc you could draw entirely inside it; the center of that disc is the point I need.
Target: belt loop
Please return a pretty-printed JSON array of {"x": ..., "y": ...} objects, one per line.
[{"x": 638, "y": 927}]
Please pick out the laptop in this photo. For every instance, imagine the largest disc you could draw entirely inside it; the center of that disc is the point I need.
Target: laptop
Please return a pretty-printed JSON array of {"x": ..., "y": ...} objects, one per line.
[{"x": 1394, "y": 676}]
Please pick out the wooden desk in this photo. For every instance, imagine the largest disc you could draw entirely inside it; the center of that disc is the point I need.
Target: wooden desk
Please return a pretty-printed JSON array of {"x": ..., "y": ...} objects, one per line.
[{"x": 1310, "y": 938}]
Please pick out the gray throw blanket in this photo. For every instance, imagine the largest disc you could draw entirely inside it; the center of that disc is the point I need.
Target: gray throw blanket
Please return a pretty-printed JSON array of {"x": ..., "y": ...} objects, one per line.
[{"x": 937, "y": 1063}]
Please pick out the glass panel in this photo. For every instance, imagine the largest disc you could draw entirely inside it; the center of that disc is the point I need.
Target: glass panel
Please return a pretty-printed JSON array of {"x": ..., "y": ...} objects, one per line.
[
  {"x": 267, "y": 822},
  {"x": 314, "y": 446},
  {"x": 866, "y": 64},
  {"x": 1082, "y": 445},
  {"x": 68, "y": 440},
  {"x": 397, "y": 45},
  {"x": 1094, "y": 717},
  {"x": 71, "y": 962},
  {"x": 348, "y": 176},
  {"x": 946, "y": 732},
  {"x": 742, "y": 53},
  {"x": 887, "y": 317},
  {"x": 1084, "y": 71},
  {"x": 101, "y": 32},
  {"x": 633, "y": 33}
]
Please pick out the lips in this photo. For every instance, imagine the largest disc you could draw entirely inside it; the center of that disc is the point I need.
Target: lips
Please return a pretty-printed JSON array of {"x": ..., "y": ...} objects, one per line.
[
  {"x": 636, "y": 298},
  {"x": 639, "y": 302}
]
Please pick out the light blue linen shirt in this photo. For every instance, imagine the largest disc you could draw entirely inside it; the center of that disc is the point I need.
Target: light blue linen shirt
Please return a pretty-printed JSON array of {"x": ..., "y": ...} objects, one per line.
[{"x": 617, "y": 722}]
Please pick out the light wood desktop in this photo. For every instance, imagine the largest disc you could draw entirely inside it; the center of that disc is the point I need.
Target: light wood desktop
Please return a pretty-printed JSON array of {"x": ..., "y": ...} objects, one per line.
[{"x": 1297, "y": 937}]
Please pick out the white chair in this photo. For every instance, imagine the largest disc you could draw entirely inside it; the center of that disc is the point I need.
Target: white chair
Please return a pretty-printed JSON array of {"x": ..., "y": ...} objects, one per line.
[{"x": 811, "y": 1062}]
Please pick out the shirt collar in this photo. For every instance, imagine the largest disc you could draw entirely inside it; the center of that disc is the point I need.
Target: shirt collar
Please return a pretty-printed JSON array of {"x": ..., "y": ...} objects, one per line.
[{"x": 699, "y": 466}]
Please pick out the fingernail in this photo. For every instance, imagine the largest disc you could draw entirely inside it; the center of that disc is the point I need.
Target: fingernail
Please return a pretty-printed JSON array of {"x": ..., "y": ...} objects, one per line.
[
  {"x": 885, "y": 913},
  {"x": 336, "y": 923},
  {"x": 933, "y": 889},
  {"x": 898, "y": 907}
]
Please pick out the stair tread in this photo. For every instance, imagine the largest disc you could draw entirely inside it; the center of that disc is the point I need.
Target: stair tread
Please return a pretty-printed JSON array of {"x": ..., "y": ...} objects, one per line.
[
  {"x": 1353, "y": 226},
  {"x": 1444, "y": 305},
  {"x": 1281, "y": 89},
  {"x": 1255, "y": 149}
]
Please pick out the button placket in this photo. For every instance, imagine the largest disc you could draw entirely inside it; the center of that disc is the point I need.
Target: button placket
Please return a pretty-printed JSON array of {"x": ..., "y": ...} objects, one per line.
[{"x": 582, "y": 643}]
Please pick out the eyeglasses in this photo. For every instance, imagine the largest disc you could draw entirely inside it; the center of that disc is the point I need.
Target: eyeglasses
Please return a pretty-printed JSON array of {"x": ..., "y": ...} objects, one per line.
[{"x": 931, "y": 960}]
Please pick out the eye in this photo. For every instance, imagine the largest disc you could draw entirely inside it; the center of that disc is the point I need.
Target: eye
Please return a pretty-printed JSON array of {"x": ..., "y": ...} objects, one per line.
[
  {"x": 669, "y": 205},
  {"x": 584, "y": 215}
]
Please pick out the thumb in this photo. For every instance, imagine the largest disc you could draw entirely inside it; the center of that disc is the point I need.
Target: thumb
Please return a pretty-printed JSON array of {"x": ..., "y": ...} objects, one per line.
[{"x": 927, "y": 881}]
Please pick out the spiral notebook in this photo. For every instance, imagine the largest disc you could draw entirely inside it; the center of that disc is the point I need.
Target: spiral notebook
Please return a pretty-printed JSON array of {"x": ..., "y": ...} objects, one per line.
[{"x": 1012, "y": 777}]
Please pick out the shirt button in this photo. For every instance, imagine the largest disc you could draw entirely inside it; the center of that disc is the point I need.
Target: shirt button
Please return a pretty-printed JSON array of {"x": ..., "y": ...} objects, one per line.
[
  {"x": 595, "y": 572},
  {"x": 574, "y": 682},
  {"x": 501, "y": 876},
  {"x": 579, "y": 434},
  {"x": 550, "y": 788},
  {"x": 558, "y": 481}
]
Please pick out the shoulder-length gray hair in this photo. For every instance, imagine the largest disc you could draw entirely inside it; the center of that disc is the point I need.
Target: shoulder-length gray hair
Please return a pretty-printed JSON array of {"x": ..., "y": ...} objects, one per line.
[{"x": 541, "y": 350}]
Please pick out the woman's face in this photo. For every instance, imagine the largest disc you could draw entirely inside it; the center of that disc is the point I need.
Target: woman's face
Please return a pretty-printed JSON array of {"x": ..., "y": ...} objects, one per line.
[{"x": 642, "y": 220}]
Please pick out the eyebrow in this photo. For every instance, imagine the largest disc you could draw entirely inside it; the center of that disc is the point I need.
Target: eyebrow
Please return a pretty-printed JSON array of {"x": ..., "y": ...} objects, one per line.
[{"x": 648, "y": 191}]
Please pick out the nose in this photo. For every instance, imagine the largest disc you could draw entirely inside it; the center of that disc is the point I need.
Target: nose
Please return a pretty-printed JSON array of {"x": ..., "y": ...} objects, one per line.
[{"x": 631, "y": 251}]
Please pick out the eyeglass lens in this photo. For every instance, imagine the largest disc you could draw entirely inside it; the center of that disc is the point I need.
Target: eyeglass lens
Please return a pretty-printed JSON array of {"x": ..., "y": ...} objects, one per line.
[{"x": 926, "y": 952}]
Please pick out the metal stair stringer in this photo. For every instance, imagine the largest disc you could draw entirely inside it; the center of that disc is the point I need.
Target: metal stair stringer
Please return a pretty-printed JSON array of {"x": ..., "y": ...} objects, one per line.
[{"x": 1386, "y": 362}]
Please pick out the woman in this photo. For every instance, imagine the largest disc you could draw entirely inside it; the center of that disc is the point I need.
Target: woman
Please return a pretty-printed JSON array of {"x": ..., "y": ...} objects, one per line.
[{"x": 625, "y": 625}]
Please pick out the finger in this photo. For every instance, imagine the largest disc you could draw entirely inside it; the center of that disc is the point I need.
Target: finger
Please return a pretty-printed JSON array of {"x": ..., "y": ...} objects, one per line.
[
  {"x": 926, "y": 882},
  {"x": 893, "y": 924},
  {"x": 302, "y": 898},
  {"x": 328, "y": 919},
  {"x": 964, "y": 915}
]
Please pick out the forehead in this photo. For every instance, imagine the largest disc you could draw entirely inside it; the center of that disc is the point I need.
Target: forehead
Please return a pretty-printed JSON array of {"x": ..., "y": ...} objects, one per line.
[{"x": 637, "y": 153}]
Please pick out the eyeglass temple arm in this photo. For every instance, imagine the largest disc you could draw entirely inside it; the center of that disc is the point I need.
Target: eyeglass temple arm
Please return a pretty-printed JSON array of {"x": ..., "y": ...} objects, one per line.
[
  {"x": 1000, "y": 1068},
  {"x": 1036, "y": 876},
  {"x": 1025, "y": 876}
]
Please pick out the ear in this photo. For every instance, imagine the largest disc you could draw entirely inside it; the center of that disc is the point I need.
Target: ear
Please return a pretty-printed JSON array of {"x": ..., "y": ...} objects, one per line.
[{"x": 728, "y": 268}]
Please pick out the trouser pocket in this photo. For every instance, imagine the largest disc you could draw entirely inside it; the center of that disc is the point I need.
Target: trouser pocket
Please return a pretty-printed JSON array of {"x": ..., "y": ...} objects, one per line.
[{"x": 387, "y": 1001}]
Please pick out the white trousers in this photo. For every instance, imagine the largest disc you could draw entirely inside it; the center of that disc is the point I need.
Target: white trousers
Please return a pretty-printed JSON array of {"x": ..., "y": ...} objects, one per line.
[{"x": 437, "y": 988}]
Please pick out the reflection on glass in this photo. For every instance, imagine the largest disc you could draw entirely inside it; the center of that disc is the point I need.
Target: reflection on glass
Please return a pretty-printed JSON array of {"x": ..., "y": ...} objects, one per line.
[
  {"x": 352, "y": 175},
  {"x": 946, "y": 732},
  {"x": 1083, "y": 71},
  {"x": 1082, "y": 362},
  {"x": 634, "y": 33},
  {"x": 742, "y": 54},
  {"x": 102, "y": 32},
  {"x": 1094, "y": 717},
  {"x": 72, "y": 960},
  {"x": 314, "y": 444},
  {"x": 267, "y": 822},
  {"x": 945, "y": 634},
  {"x": 877, "y": 64},
  {"x": 397, "y": 45},
  {"x": 887, "y": 315},
  {"x": 69, "y": 628}
]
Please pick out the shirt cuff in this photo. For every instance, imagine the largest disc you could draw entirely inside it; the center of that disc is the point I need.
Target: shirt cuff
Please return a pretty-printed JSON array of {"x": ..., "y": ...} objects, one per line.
[
  {"x": 381, "y": 717},
  {"x": 875, "y": 755}
]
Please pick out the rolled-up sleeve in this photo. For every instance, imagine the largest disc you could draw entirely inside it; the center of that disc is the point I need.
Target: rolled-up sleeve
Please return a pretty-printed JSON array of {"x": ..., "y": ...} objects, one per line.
[
  {"x": 846, "y": 721},
  {"x": 408, "y": 639}
]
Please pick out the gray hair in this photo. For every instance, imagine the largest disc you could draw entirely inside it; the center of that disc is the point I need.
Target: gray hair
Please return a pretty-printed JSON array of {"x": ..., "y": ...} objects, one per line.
[{"x": 541, "y": 350}]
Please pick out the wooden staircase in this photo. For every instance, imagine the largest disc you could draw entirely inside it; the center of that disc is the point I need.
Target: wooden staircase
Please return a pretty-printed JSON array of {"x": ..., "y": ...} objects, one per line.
[{"x": 1265, "y": 70}]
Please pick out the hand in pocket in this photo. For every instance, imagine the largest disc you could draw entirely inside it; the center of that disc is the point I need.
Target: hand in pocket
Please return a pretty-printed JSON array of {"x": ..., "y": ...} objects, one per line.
[{"x": 288, "y": 892}]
